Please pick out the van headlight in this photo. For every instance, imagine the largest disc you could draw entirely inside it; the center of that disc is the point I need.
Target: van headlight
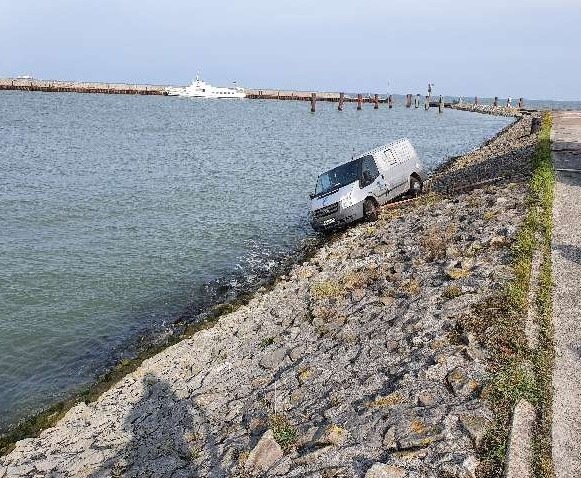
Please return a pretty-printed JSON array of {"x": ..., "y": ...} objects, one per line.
[{"x": 347, "y": 201}]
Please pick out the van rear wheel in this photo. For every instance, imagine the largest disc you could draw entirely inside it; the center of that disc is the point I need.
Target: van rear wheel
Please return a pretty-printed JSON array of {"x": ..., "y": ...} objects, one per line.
[
  {"x": 370, "y": 211},
  {"x": 416, "y": 187}
]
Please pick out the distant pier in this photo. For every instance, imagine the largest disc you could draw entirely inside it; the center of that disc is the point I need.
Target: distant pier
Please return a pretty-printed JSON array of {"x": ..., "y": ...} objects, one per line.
[
  {"x": 30, "y": 84},
  {"x": 21, "y": 84},
  {"x": 256, "y": 94}
]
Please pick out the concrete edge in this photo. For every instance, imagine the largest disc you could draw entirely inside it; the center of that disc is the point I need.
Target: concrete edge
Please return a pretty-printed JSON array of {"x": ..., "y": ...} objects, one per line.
[{"x": 520, "y": 445}]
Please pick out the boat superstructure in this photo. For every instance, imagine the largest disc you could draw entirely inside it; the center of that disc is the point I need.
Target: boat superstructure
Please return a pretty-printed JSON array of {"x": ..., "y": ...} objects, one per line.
[{"x": 200, "y": 89}]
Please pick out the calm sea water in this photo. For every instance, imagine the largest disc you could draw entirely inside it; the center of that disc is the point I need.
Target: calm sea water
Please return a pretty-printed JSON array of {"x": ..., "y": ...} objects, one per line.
[
  {"x": 553, "y": 105},
  {"x": 528, "y": 104},
  {"x": 117, "y": 212}
]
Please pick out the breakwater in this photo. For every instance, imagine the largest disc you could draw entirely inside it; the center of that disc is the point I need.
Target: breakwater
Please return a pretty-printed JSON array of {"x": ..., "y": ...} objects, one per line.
[
  {"x": 271, "y": 94},
  {"x": 333, "y": 97},
  {"x": 31, "y": 84},
  {"x": 359, "y": 362},
  {"x": 20, "y": 84},
  {"x": 491, "y": 109}
]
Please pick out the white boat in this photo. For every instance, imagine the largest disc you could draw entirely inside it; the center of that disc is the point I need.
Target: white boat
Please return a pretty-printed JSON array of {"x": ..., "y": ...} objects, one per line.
[{"x": 201, "y": 89}]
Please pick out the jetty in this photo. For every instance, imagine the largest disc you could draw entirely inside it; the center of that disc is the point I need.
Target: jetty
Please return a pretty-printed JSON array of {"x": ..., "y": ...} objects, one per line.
[
  {"x": 31, "y": 84},
  {"x": 306, "y": 96}
]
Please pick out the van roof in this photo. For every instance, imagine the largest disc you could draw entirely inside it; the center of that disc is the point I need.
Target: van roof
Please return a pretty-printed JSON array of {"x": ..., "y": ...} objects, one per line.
[{"x": 383, "y": 147}]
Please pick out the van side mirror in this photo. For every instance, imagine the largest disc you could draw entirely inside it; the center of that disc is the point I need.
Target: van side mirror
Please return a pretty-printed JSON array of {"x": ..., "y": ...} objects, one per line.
[{"x": 312, "y": 195}]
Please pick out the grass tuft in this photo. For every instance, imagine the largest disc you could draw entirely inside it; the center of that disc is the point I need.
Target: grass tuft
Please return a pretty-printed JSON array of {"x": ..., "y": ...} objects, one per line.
[
  {"x": 326, "y": 290},
  {"x": 284, "y": 433},
  {"x": 265, "y": 342},
  {"x": 452, "y": 291}
]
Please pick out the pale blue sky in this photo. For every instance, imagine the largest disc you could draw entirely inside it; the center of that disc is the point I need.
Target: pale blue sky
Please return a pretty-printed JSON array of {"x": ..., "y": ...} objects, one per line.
[{"x": 495, "y": 47}]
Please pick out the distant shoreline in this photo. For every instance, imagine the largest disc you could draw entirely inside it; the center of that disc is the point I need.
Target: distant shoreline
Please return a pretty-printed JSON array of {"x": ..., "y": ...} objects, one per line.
[
  {"x": 59, "y": 86},
  {"x": 62, "y": 86}
]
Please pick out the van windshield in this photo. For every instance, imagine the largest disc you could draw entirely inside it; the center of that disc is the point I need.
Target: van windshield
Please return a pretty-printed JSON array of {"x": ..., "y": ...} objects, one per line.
[{"x": 337, "y": 178}]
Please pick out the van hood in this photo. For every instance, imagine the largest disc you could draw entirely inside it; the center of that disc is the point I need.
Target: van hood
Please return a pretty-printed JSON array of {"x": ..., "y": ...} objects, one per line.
[{"x": 327, "y": 200}]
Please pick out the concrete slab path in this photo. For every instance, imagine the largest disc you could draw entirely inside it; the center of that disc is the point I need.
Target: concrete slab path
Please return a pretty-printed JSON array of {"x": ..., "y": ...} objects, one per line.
[{"x": 566, "y": 255}]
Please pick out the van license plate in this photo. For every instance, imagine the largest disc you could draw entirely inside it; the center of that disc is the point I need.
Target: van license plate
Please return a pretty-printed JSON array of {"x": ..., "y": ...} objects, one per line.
[{"x": 328, "y": 221}]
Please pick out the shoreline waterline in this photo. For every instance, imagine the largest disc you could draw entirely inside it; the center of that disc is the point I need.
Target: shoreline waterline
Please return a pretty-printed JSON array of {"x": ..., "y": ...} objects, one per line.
[{"x": 196, "y": 316}]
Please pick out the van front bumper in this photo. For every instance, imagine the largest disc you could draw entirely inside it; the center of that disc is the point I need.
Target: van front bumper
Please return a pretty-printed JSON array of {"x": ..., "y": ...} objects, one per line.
[{"x": 338, "y": 219}]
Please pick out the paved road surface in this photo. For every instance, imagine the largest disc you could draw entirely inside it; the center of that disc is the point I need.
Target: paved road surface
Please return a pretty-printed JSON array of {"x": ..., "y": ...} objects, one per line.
[{"x": 566, "y": 253}]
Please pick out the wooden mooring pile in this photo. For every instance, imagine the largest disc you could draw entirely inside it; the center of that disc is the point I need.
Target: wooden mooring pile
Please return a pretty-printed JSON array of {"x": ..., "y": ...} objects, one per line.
[{"x": 415, "y": 100}]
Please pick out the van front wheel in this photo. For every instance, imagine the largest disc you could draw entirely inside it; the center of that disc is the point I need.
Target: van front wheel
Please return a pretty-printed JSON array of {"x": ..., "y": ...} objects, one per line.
[
  {"x": 370, "y": 211},
  {"x": 416, "y": 187}
]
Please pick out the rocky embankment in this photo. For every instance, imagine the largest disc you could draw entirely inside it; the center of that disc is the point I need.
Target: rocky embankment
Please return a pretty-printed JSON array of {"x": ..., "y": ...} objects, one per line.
[
  {"x": 487, "y": 109},
  {"x": 501, "y": 157},
  {"x": 353, "y": 365}
]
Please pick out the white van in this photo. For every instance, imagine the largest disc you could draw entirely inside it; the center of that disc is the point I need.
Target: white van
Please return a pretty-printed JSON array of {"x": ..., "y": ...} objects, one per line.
[{"x": 356, "y": 189}]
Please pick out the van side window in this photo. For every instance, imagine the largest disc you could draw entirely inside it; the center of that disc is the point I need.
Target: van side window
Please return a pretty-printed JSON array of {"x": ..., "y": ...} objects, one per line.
[{"x": 368, "y": 171}]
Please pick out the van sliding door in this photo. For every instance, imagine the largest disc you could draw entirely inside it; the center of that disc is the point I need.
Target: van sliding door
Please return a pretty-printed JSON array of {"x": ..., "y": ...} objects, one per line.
[
  {"x": 398, "y": 172},
  {"x": 391, "y": 172}
]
